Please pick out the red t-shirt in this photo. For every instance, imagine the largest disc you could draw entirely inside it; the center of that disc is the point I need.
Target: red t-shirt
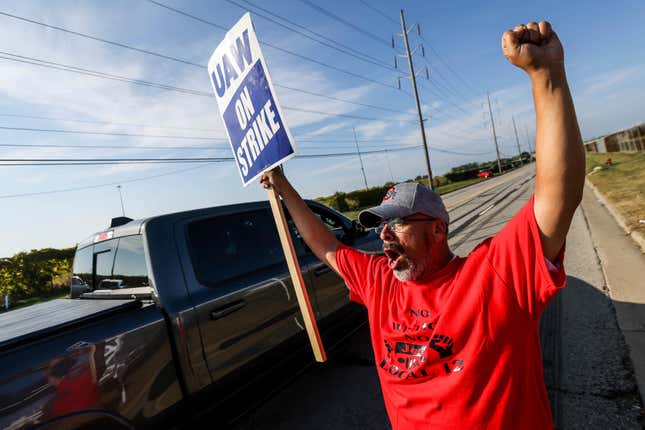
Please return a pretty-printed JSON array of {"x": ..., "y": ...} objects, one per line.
[{"x": 460, "y": 349}]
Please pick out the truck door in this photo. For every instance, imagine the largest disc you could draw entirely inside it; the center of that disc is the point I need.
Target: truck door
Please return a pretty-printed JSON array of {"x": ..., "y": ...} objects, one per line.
[{"x": 240, "y": 286}]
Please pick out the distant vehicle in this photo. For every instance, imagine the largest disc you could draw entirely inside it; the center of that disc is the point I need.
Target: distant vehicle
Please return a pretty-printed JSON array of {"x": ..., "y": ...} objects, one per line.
[
  {"x": 485, "y": 173},
  {"x": 178, "y": 317}
]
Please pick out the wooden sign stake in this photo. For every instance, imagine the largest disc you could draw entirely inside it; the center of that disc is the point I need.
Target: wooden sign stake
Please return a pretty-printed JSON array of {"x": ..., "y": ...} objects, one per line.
[{"x": 296, "y": 276}]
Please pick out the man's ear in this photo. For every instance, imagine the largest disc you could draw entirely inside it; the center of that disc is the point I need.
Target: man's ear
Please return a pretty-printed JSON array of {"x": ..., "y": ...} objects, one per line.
[{"x": 439, "y": 229}]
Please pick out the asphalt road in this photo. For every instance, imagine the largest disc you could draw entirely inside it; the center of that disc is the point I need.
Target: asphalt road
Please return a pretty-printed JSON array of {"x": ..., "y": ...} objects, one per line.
[{"x": 588, "y": 372}]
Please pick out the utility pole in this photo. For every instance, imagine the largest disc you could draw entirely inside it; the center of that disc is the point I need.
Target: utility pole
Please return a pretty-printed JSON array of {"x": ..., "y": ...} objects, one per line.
[
  {"x": 360, "y": 158},
  {"x": 517, "y": 139},
  {"x": 492, "y": 123},
  {"x": 528, "y": 140},
  {"x": 416, "y": 96},
  {"x": 121, "y": 197}
]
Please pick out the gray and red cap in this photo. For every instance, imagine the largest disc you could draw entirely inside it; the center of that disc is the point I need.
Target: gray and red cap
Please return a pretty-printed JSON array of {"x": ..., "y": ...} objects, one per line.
[{"x": 403, "y": 200}]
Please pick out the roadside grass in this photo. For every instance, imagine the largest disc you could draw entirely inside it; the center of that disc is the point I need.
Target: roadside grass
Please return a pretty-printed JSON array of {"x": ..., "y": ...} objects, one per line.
[
  {"x": 622, "y": 183},
  {"x": 441, "y": 189},
  {"x": 21, "y": 303}
]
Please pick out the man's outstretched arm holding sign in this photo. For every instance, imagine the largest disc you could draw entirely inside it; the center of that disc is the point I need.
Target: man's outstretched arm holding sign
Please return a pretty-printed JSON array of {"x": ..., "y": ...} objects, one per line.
[{"x": 319, "y": 238}]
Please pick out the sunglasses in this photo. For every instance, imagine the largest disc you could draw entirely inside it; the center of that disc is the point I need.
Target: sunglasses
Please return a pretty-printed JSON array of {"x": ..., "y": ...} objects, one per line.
[{"x": 397, "y": 225}]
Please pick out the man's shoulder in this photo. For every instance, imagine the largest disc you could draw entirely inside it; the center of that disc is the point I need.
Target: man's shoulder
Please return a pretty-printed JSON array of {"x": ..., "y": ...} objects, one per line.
[
  {"x": 480, "y": 251},
  {"x": 355, "y": 258}
]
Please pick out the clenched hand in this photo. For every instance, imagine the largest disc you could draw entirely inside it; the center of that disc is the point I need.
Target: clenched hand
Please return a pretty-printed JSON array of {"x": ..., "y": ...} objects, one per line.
[
  {"x": 273, "y": 178},
  {"x": 533, "y": 47}
]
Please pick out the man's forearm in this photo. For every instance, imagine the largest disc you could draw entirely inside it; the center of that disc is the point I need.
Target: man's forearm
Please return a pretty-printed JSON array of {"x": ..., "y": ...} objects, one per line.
[{"x": 317, "y": 236}]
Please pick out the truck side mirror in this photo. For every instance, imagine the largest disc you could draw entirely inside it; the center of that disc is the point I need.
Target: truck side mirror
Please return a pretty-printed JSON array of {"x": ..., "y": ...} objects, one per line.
[{"x": 357, "y": 229}]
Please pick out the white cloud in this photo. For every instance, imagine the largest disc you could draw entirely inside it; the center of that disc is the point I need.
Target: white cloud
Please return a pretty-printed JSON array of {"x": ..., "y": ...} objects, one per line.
[{"x": 608, "y": 81}]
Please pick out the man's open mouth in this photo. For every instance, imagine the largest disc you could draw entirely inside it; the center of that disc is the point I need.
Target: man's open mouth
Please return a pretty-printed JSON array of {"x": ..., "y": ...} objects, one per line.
[{"x": 394, "y": 255}]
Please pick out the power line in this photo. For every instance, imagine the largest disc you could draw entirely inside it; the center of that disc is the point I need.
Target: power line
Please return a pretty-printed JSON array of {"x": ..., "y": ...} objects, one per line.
[
  {"x": 338, "y": 99},
  {"x": 345, "y": 49},
  {"x": 120, "y": 134},
  {"x": 179, "y": 137},
  {"x": 347, "y": 115},
  {"x": 444, "y": 98},
  {"x": 357, "y": 52},
  {"x": 270, "y": 45},
  {"x": 87, "y": 72},
  {"x": 343, "y": 21},
  {"x": 164, "y": 86},
  {"x": 446, "y": 90},
  {"x": 89, "y": 121},
  {"x": 103, "y": 75},
  {"x": 110, "y": 161},
  {"x": 454, "y": 72},
  {"x": 201, "y": 66},
  {"x": 187, "y": 62},
  {"x": 220, "y": 148},
  {"x": 448, "y": 83},
  {"x": 383, "y": 14},
  {"x": 172, "y": 148},
  {"x": 99, "y": 39},
  {"x": 111, "y": 133},
  {"x": 109, "y": 184},
  {"x": 165, "y": 136}
]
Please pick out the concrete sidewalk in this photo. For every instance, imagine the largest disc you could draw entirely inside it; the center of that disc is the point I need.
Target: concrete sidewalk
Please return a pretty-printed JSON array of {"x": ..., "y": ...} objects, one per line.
[{"x": 623, "y": 267}]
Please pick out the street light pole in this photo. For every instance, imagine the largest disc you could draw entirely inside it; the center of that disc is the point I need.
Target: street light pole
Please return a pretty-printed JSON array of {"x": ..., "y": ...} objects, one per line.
[
  {"x": 360, "y": 158},
  {"x": 517, "y": 139}
]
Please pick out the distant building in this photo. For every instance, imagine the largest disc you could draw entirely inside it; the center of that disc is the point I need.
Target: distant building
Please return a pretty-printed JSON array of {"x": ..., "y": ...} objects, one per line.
[{"x": 629, "y": 140}]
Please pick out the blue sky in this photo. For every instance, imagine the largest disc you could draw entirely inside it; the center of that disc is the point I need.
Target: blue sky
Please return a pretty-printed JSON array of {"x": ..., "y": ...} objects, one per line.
[{"x": 603, "y": 49}]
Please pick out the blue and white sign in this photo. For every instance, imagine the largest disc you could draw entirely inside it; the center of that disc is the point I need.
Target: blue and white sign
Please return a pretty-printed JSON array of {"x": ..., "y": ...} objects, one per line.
[{"x": 254, "y": 122}]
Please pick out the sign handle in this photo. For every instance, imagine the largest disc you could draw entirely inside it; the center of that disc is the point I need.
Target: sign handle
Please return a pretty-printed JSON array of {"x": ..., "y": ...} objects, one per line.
[{"x": 296, "y": 276}]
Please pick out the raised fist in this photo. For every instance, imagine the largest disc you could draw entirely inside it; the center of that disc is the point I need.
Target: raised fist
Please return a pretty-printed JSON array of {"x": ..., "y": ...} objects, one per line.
[{"x": 533, "y": 47}]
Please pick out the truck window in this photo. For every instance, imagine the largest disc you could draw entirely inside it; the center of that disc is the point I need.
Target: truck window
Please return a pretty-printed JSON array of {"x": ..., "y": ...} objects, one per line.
[
  {"x": 103, "y": 263},
  {"x": 228, "y": 246},
  {"x": 130, "y": 270},
  {"x": 332, "y": 223},
  {"x": 82, "y": 267}
]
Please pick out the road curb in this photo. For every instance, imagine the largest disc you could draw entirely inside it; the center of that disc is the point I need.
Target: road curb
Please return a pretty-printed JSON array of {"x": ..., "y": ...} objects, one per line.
[{"x": 635, "y": 235}]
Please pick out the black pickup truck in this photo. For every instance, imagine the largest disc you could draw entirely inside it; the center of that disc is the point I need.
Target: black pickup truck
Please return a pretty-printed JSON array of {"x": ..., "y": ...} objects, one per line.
[{"x": 175, "y": 320}]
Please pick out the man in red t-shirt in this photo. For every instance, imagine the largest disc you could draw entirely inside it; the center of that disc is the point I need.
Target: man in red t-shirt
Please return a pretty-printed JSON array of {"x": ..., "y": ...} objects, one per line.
[{"x": 456, "y": 339}]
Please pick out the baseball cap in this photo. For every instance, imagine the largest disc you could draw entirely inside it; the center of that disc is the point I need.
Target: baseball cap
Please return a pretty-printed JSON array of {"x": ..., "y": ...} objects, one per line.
[{"x": 404, "y": 200}]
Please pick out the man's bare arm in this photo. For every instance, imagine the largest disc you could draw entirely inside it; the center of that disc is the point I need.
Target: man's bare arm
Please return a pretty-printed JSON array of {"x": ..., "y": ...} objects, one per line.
[
  {"x": 317, "y": 236},
  {"x": 560, "y": 157}
]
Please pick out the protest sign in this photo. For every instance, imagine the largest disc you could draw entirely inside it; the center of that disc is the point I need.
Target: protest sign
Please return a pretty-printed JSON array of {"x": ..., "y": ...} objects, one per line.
[
  {"x": 259, "y": 137},
  {"x": 254, "y": 122}
]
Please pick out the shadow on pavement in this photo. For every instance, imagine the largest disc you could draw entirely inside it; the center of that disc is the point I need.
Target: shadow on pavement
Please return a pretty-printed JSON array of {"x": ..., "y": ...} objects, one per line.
[{"x": 587, "y": 367}]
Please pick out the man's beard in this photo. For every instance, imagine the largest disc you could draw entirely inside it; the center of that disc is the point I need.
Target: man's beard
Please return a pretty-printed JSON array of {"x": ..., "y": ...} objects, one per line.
[
  {"x": 413, "y": 269},
  {"x": 412, "y": 272}
]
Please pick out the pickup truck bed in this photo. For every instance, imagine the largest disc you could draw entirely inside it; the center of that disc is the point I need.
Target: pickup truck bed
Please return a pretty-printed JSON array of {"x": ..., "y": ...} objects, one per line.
[{"x": 45, "y": 318}]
